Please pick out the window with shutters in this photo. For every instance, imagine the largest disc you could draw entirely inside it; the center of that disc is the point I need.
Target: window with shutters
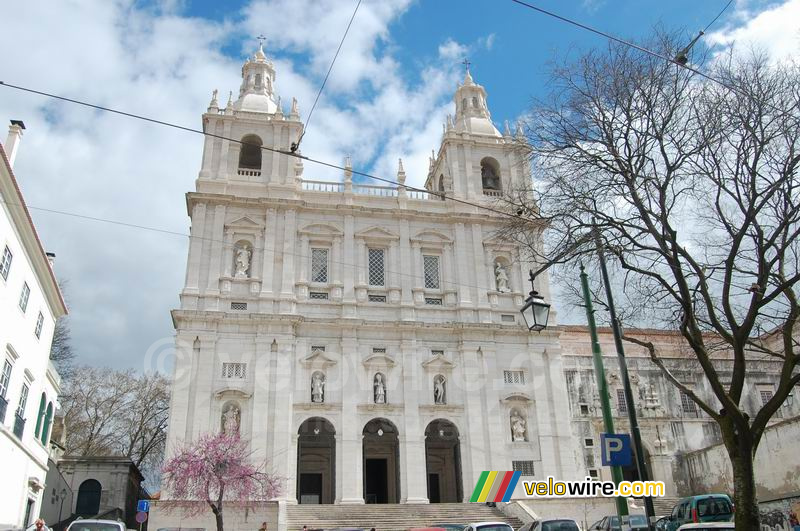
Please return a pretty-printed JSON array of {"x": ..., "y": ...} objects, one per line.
[
  {"x": 5, "y": 263},
  {"x": 377, "y": 264},
  {"x": 5, "y": 378},
  {"x": 319, "y": 265},
  {"x": 24, "y": 296},
  {"x": 39, "y": 325},
  {"x": 23, "y": 401},
  {"x": 430, "y": 267},
  {"x": 622, "y": 405},
  {"x": 687, "y": 404},
  {"x": 525, "y": 468},
  {"x": 514, "y": 377},
  {"x": 765, "y": 393},
  {"x": 234, "y": 370}
]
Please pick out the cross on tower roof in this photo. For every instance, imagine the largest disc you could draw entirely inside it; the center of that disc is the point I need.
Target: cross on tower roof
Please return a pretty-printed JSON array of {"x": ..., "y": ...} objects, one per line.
[
  {"x": 466, "y": 64},
  {"x": 261, "y": 39}
]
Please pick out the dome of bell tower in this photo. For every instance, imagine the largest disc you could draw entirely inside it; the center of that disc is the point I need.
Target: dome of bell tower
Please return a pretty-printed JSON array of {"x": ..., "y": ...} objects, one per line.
[
  {"x": 472, "y": 112},
  {"x": 256, "y": 93}
]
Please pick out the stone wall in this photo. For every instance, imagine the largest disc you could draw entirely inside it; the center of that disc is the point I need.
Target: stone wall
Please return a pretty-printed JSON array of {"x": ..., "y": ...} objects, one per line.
[
  {"x": 235, "y": 518},
  {"x": 777, "y": 465}
]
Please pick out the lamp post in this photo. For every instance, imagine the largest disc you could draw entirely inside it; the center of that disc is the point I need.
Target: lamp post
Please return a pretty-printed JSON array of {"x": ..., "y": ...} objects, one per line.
[
  {"x": 63, "y": 494},
  {"x": 536, "y": 312}
]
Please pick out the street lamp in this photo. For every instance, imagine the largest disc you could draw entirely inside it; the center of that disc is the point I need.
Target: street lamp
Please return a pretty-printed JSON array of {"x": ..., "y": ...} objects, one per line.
[
  {"x": 536, "y": 311},
  {"x": 63, "y": 494}
]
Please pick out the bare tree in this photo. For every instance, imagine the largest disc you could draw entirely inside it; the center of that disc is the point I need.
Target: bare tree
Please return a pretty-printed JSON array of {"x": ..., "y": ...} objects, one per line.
[
  {"x": 694, "y": 188},
  {"x": 121, "y": 413}
]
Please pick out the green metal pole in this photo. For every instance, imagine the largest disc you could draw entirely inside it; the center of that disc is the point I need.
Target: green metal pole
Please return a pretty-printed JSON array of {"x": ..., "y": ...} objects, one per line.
[{"x": 602, "y": 386}]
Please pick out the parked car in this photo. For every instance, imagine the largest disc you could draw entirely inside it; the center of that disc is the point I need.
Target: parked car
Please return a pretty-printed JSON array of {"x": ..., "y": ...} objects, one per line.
[
  {"x": 451, "y": 527},
  {"x": 96, "y": 525},
  {"x": 662, "y": 523},
  {"x": 488, "y": 526},
  {"x": 701, "y": 509},
  {"x": 612, "y": 523},
  {"x": 551, "y": 524},
  {"x": 710, "y": 526}
]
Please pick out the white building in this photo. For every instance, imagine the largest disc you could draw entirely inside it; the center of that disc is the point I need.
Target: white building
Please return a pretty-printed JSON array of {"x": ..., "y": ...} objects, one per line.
[
  {"x": 30, "y": 304},
  {"x": 366, "y": 339}
]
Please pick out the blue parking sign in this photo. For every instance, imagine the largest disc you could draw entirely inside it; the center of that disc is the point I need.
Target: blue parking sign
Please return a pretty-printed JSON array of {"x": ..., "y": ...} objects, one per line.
[
  {"x": 615, "y": 449},
  {"x": 143, "y": 506}
]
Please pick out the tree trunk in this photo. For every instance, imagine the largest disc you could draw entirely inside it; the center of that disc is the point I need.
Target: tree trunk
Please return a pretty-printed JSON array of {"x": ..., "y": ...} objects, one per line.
[
  {"x": 744, "y": 484},
  {"x": 218, "y": 517}
]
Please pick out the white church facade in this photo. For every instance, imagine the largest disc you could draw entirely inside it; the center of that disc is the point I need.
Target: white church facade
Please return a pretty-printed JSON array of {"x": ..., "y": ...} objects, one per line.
[{"x": 366, "y": 339}]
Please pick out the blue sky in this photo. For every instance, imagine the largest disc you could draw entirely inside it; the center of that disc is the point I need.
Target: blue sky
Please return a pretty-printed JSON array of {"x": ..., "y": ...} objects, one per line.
[{"x": 387, "y": 98}]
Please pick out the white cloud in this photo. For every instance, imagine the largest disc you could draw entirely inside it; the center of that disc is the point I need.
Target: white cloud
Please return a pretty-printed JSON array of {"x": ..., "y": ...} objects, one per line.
[
  {"x": 158, "y": 63},
  {"x": 451, "y": 49},
  {"x": 771, "y": 27}
]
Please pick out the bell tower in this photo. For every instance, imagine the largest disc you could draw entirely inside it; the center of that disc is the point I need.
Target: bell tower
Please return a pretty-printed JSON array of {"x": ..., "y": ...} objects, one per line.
[
  {"x": 475, "y": 161},
  {"x": 253, "y": 121}
]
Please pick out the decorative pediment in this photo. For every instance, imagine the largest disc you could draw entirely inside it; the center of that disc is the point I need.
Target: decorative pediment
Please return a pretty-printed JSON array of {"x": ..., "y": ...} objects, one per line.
[
  {"x": 516, "y": 396},
  {"x": 245, "y": 222},
  {"x": 318, "y": 360},
  {"x": 432, "y": 237},
  {"x": 378, "y": 360},
  {"x": 376, "y": 233},
  {"x": 328, "y": 230},
  {"x": 231, "y": 392},
  {"x": 438, "y": 363},
  {"x": 497, "y": 244},
  {"x": 11, "y": 352}
]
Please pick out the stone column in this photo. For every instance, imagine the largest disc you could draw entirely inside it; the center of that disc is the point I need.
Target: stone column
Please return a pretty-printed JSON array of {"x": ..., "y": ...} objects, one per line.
[
  {"x": 204, "y": 387},
  {"x": 261, "y": 413},
  {"x": 195, "y": 248},
  {"x": 288, "y": 272},
  {"x": 258, "y": 246},
  {"x": 224, "y": 154},
  {"x": 490, "y": 276},
  {"x": 461, "y": 245},
  {"x": 349, "y": 469},
  {"x": 215, "y": 266},
  {"x": 268, "y": 263},
  {"x": 284, "y": 432},
  {"x": 336, "y": 261},
  {"x": 361, "y": 259},
  {"x": 416, "y": 266},
  {"x": 304, "y": 259},
  {"x": 349, "y": 296},
  {"x": 413, "y": 475},
  {"x": 227, "y": 260},
  {"x": 475, "y": 443},
  {"x": 406, "y": 296}
]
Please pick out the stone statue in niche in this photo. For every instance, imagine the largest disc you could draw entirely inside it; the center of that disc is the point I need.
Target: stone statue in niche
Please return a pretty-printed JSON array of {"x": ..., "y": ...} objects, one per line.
[
  {"x": 439, "y": 391},
  {"x": 501, "y": 277},
  {"x": 489, "y": 177},
  {"x": 230, "y": 420},
  {"x": 318, "y": 388},
  {"x": 380, "y": 389},
  {"x": 242, "y": 261},
  {"x": 518, "y": 427}
]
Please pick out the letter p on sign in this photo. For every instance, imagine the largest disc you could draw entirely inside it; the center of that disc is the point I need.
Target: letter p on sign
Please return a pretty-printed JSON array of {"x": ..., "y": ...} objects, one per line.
[{"x": 616, "y": 449}]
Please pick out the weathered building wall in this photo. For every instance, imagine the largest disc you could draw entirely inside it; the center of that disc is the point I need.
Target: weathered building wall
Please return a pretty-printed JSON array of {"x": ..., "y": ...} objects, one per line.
[{"x": 777, "y": 465}]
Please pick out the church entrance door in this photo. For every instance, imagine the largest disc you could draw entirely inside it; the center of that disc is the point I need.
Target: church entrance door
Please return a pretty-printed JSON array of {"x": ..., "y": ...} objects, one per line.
[
  {"x": 316, "y": 458},
  {"x": 443, "y": 462},
  {"x": 381, "y": 459}
]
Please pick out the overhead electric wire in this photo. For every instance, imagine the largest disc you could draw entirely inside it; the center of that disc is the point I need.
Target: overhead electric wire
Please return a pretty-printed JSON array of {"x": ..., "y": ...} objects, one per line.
[
  {"x": 330, "y": 68},
  {"x": 645, "y": 50},
  {"x": 266, "y": 148},
  {"x": 718, "y": 15}
]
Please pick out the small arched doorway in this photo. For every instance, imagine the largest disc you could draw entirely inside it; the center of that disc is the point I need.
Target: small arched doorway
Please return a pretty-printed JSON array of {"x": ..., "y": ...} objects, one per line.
[
  {"x": 631, "y": 472},
  {"x": 316, "y": 459},
  {"x": 88, "y": 503},
  {"x": 443, "y": 462},
  {"x": 381, "y": 448}
]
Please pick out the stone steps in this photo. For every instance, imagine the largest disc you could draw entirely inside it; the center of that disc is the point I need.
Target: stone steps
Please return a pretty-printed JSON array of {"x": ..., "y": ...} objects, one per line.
[{"x": 390, "y": 517}]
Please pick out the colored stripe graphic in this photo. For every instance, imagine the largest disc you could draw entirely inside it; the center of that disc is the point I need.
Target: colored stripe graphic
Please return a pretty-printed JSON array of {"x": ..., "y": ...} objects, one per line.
[
  {"x": 495, "y": 486},
  {"x": 503, "y": 486},
  {"x": 511, "y": 486},
  {"x": 479, "y": 487},
  {"x": 488, "y": 486}
]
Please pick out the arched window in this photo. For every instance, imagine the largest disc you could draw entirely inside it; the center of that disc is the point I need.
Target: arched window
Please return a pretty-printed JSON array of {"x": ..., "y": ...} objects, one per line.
[
  {"x": 490, "y": 174},
  {"x": 48, "y": 422},
  {"x": 463, "y": 104},
  {"x": 475, "y": 102},
  {"x": 250, "y": 155},
  {"x": 88, "y": 503},
  {"x": 40, "y": 415}
]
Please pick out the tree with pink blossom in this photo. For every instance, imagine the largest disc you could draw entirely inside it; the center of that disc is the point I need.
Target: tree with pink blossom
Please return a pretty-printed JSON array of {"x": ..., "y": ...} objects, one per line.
[{"x": 213, "y": 470}]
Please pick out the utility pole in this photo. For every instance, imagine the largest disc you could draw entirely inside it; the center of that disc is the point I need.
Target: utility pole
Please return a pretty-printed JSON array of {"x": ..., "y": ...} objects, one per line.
[
  {"x": 602, "y": 386},
  {"x": 626, "y": 383}
]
